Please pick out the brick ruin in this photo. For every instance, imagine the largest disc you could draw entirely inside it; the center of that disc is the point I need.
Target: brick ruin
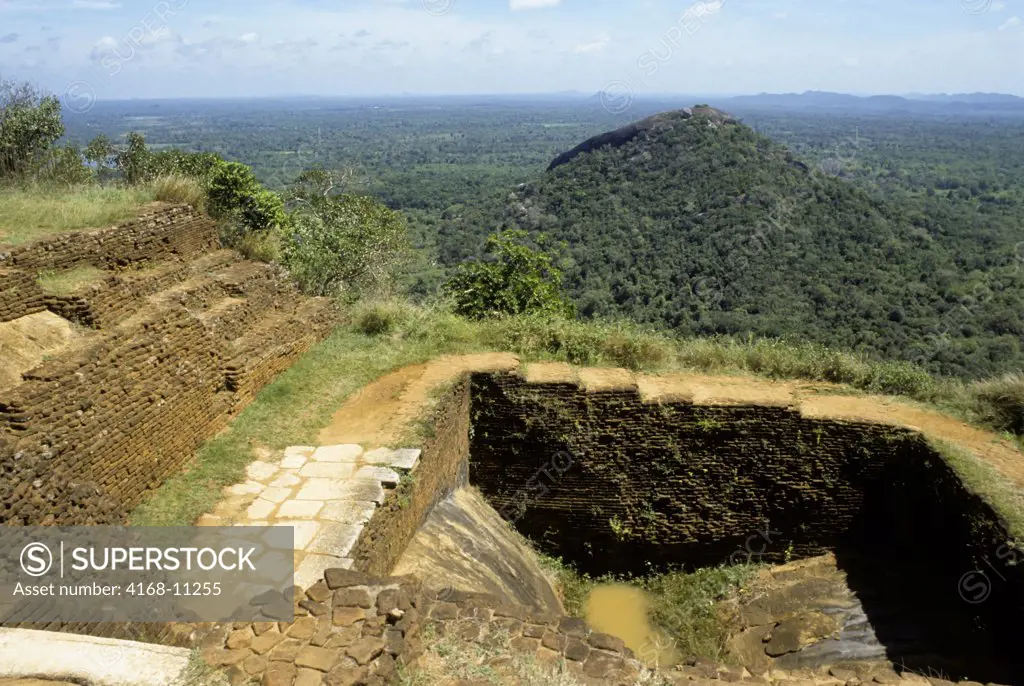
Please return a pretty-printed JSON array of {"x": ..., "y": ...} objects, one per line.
[
  {"x": 551, "y": 457},
  {"x": 178, "y": 335},
  {"x": 614, "y": 483}
]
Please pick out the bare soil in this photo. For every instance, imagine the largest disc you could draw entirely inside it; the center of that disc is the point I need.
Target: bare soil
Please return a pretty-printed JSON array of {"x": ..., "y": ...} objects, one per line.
[
  {"x": 379, "y": 413},
  {"x": 26, "y": 341}
]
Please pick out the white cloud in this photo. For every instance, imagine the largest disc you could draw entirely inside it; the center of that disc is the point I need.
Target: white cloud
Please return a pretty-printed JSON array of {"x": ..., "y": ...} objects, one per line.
[
  {"x": 516, "y": 5},
  {"x": 1010, "y": 23},
  {"x": 95, "y": 4},
  {"x": 600, "y": 43}
]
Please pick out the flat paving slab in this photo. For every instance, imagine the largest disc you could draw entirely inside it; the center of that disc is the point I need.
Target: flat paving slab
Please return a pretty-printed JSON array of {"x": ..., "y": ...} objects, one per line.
[{"x": 327, "y": 494}]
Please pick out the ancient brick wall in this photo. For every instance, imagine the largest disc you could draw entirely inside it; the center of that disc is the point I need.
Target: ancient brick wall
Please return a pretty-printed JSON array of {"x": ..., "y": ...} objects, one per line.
[
  {"x": 121, "y": 414},
  {"x": 442, "y": 468},
  {"x": 182, "y": 345},
  {"x": 612, "y": 483},
  {"x": 353, "y": 628},
  {"x": 161, "y": 232},
  {"x": 670, "y": 482},
  {"x": 20, "y": 295}
]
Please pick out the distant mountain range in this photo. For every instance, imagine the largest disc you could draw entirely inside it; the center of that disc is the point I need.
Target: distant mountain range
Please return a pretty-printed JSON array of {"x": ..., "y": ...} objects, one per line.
[{"x": 910, "y": 102}]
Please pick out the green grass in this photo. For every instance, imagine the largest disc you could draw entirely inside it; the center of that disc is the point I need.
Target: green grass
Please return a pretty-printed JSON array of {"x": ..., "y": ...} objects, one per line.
[
  {"x": 69, "y": 281},
  {"x": 683, "y": 605},
  {"x": 31, "y": 212},
  {"x": 984, "y": 480},
  {"x": 573, "y": 587}
]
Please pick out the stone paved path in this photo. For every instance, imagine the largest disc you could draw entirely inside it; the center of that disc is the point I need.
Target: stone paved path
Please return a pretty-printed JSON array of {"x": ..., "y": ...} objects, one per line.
[{"x": 326, "y": 494}]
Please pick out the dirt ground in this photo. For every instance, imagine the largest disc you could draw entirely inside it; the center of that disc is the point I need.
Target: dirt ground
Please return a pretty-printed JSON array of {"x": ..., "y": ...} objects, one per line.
[
  {"x": 26, "y": 341},
  {"x": 379, "y": 413}
]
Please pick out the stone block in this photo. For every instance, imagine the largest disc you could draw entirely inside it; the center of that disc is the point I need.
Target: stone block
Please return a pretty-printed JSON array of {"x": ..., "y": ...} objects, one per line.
[
  {"x": 352, "y": 490},
  {"x": 279, "y": 674},
  {"x": 300, "y": 509},
  {"x": 305, "y": 532},
  {"x": 312, "y": 568},
  {"x": 302, "y": 628},
  {"x": 309, "y": 677},
  {"x": 335, "y": 539},
  {"x": 275, "y": 495},
  {"x": 261, "y": 471},
  {"x": 312, "y": 657},
  {"x": 260, "y": 509},
  {"x": 328, "y": 470},
  {"x": 602, "y": 665},
  {"x": 347, "y": 616},
  {"x": 348, "y": 512},
  {"x": 385, "y": 475},
  {"x": 337, "y": 453},
  {"x": 353, "y": 597},
  {"x": 406, "y": 458},
  {"x": 365, "y": 649},
  {"x": 344, "y": 578},
  {"x": 263, "y": 643},
  {"x": 285, "y": 480}
]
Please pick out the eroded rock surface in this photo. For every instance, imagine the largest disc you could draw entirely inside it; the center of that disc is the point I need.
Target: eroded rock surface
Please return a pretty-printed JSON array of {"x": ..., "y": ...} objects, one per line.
[{"x": 466, "y": 545}]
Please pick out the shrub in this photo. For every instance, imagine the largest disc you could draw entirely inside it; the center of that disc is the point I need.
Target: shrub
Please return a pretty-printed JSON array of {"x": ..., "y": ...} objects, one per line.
[
  {"x": 64, "y": 165},
  {"x": 235, "y": 194},
  {"x": 262, "y": 247},
  {"x": 347, "y": 243},
  {"x": 684, "y": 606},
  {"x": 513, "y": 279},
  {"x": 199, "y": 166}
]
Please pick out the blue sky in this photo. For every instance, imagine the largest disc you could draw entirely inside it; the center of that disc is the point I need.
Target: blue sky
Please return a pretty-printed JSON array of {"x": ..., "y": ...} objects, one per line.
[{"x": 174, "y": 48}]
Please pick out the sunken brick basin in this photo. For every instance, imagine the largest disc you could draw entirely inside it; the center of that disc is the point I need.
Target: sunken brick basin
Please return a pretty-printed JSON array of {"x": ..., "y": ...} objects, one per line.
[{"x": 614, "y": 480}]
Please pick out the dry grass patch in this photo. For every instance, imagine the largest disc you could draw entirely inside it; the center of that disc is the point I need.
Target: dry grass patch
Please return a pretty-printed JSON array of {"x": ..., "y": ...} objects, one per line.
[
  {"x": 180, "y": 189},
  {"x": 31, "y": 212},
  {"x": 69, "y": 281},
  {"x": 450, "y": 661}
]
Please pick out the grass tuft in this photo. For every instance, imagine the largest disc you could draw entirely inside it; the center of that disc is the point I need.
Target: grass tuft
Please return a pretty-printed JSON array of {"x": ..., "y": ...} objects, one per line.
[
  {"x": 1000, "y": 402},
  {"x": 685, "y": 606},
  {"x": 986, "y": 482},
  {"x": 198, "y": 673},
  {"x": 180, "y": 189},
  {"x": 261, "y": 247}
]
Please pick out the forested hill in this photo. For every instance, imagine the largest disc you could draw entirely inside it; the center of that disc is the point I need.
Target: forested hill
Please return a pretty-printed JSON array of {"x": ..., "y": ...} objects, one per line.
[{"x": 702, "y": 225}]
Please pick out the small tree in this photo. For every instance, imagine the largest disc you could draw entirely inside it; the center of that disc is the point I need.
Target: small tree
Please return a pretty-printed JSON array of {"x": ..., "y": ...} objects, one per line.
[
  {"x": 100, "y": 152},
  {"x": 133, "y": 161},
  {"x": 64, "y": 165},
  {"x": 514, "y": 278},
  {"x": 30, "y": 123}
]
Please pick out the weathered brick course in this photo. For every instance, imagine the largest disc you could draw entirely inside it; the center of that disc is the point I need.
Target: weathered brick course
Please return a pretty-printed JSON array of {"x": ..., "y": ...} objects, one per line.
[{"x": 182, "y": 346}]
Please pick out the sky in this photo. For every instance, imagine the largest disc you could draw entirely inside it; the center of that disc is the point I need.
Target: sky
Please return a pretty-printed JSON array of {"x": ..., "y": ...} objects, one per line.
[{"x": 115, "y": 49}]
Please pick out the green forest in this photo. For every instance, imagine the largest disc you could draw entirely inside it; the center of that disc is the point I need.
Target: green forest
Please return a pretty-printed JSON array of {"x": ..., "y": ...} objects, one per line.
[{"x": 894, "y": 235}]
